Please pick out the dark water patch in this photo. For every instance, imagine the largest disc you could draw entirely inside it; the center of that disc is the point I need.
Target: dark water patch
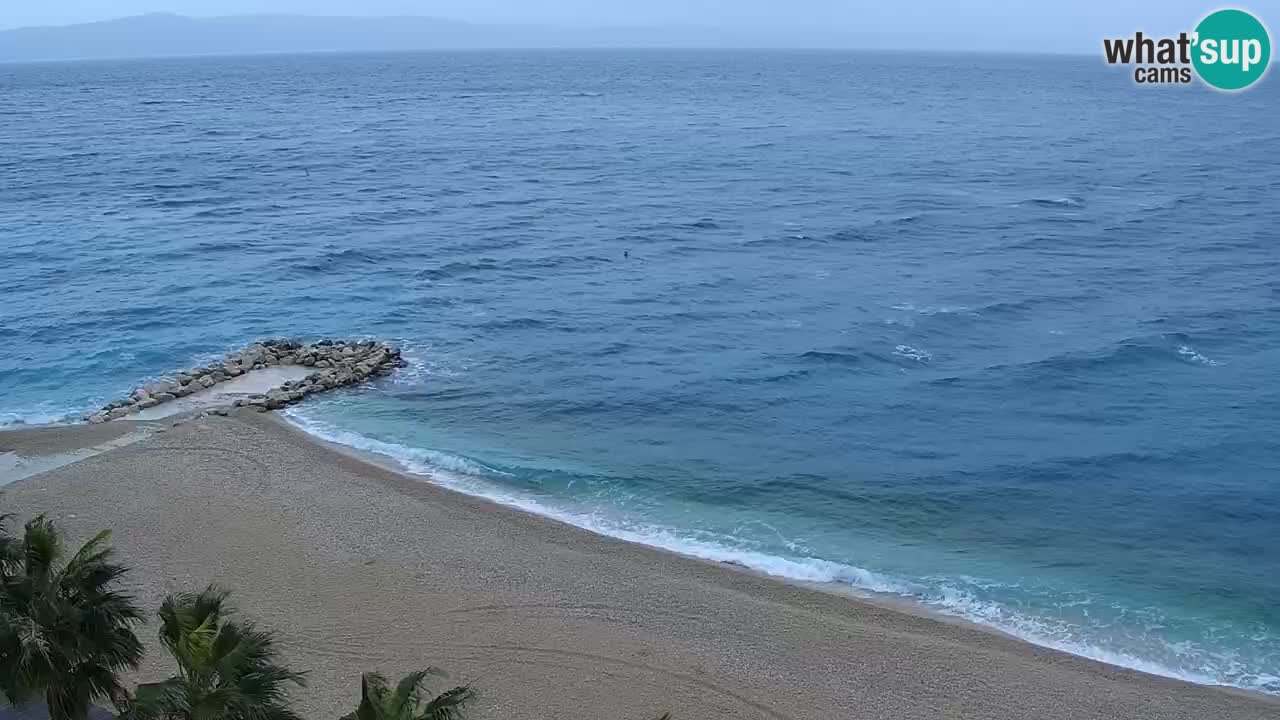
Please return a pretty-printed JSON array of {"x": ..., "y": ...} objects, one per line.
[
  {"x": 1148, "y": 355},
  {"x": 844, "y": 358},
  {"x": 1054, "y": 202},
  {"x": 507, "y": 202},
  {"x": 614, "y": 348},
  {"x": 218, "y": 213},
  {"x": 339, "y": 260},
  {"x": 175, "y": 203},
  {"x": 685, "y": 318},
  {"x": 790, "y": 240},
  {"x": 485, "y": 243},
  {"x": 901, "y": 220},
  {"x": 453, "y": 270},
  {"x": 1029, "y": 307},
  {"x": 520, "y": 323},
  {"x": 791, "y": 376},
  {"x": 446, "y": 394},
  {"x": 474, "y": 270},
  {"x": 853, "y": 235}
]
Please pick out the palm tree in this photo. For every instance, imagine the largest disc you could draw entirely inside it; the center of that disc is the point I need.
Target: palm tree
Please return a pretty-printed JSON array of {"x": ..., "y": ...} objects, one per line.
[
  {"x": 379, "y": 702},
  {"x": 226, "y": 669},
  {"x": 65, "y": 631}
]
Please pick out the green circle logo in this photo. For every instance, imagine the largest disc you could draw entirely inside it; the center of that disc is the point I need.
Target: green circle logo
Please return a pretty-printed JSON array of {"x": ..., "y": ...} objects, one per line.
[{"x": 1232, "y": 49}]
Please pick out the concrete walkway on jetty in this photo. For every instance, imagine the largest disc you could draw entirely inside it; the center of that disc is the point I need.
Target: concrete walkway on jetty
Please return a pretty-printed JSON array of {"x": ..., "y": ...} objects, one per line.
[
  {"x": 297, "y": 370},
  {"x": 266, "y": 375},
  {"x": 224, "y": 394}
]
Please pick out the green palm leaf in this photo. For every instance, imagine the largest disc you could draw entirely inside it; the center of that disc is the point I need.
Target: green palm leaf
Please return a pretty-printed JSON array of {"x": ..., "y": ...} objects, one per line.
[
  {"x": 65, "y": 632},
  {"x": 227, "y": 669},
  {"x": 379, "y": 702}
]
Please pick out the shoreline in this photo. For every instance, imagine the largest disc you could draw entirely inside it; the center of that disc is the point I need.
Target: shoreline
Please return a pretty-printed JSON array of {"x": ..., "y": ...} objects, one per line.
[
  {"x": 294, "y": 514},
  {"x": 886, "y": 601},
  {"x": 883, "y": 599}
]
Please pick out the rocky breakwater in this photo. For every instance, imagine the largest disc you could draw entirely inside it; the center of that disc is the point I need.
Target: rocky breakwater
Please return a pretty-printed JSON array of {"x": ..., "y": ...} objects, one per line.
[{"x": 337, "y": 364}]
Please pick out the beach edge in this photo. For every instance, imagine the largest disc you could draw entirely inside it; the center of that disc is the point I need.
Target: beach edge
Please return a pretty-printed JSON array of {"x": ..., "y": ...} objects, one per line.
[{"x": 282, "y": 438}]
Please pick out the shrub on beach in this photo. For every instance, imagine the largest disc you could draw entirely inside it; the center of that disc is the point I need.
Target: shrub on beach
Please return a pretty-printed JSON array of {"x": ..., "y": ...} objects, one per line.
[
  {"x": 408, "y": 700},
  {"x": 65, "y": 631},
  {"x": 227, "y": 669}
]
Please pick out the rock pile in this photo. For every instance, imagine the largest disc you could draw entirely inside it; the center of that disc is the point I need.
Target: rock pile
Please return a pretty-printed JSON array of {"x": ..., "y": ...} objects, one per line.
[{"x": 338, "y": 364}]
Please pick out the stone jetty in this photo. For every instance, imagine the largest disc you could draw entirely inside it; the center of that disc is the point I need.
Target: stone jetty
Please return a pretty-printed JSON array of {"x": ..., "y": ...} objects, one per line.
[{"x": 337, "y": 363}]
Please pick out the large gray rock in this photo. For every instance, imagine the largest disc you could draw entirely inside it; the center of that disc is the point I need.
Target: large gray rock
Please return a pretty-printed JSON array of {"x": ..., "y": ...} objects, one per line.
[
  {"x": 158, "y": 387},
  {"x": 339, "y": 364}
]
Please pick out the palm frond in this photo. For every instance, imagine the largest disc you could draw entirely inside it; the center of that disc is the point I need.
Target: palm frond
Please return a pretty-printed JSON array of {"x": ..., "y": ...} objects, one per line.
[
  {"x": 408, "y": 692},
  {"x": 379, "y": 702},
  {"x": 41, "y": 548},
  {"x": 448, "y": 705},
  {"x": 65, "y": 631},
  {"x": 10, "y": 554},
  {"x": 227, "y": 669}
]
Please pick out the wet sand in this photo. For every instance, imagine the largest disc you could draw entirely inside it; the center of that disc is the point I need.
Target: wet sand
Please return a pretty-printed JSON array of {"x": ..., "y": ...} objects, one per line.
[
  {"x": 31, "y": 451},
  {"x": 361, "y": 568}
]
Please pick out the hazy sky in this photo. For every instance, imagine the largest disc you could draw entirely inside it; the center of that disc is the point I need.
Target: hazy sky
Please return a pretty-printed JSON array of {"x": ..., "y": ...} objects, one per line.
[{"x": 1061, "y": 25}]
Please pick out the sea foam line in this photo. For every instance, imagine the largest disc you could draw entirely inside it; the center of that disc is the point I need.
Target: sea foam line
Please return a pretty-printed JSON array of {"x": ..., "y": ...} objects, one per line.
[
  {"x": 466, "y": 476},
  {"x": 27, "y": 418}
]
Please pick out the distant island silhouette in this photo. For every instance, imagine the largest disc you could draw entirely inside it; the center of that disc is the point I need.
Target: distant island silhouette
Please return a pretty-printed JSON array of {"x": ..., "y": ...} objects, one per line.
[
  {"x": 165, "y": 35},
  {"x": 170, "y": 35}
]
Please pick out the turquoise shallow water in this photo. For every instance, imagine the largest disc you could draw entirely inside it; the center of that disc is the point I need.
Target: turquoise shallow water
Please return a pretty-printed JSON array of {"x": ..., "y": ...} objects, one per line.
[{"x": 897, "y": 323}]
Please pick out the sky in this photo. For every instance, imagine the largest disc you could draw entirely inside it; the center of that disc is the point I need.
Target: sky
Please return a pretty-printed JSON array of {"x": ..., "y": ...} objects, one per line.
[{"x": 1059, "y": 26}]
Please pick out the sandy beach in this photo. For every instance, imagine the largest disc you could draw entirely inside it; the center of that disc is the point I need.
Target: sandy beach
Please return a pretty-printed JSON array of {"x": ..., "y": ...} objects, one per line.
[{"x": 360, "y": 568}]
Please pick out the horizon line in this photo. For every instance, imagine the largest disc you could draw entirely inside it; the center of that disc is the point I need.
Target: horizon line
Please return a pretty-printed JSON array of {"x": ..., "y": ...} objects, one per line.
[{"x": 852, "y": 46}]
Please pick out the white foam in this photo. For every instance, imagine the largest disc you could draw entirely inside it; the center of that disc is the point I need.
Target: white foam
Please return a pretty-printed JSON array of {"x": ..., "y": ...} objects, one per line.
[
  {"x": 465, "y": 476},
  {"x": 423, "y": 361},
  {"x": 933, "y": 309},
  {"x": 25, "y": 418},
  {"x": 1191, "y": 354},
  {"x": 1051, "y": 634},
  {"x": 906, "y": 351}
]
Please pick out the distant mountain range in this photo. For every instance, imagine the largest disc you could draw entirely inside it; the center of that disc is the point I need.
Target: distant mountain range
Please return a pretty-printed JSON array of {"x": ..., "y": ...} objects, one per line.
[{"x": 175, "y": 35}]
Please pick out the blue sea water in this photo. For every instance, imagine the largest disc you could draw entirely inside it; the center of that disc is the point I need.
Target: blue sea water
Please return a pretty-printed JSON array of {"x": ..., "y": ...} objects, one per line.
[{"x": 997, "y": 334}]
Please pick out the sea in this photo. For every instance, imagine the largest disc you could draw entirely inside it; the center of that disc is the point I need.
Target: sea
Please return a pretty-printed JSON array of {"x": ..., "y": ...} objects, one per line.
[{"x": 994, "y": 334}]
